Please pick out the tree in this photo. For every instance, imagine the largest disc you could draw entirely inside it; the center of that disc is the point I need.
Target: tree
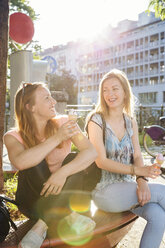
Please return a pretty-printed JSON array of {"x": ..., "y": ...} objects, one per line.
[
  {"x": 15, "y": 5},
  {"x": 159, "y": 7},
  {"x": 4, "y": 12},
  {"x": 66, "y": 82}
]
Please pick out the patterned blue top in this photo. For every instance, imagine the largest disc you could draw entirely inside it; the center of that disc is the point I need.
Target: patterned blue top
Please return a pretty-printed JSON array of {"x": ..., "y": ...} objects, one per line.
[{"x": 120, "y": 151}]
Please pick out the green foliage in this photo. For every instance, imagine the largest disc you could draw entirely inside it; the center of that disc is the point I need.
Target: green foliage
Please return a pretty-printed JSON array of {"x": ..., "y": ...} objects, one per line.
[
  {"x": 149, "y": 140},
  {"x": 22, "y": 6},
  {"x": 7, "y": 176},
  {"x": 159, "y": 8},
  {"x": 141, "y": 138},
  {"x": 7, "y": 109},
  {"x": 10, "y": 187},
  {"x": 66, "y": 82},
  {"x": 74, "y": 148}
]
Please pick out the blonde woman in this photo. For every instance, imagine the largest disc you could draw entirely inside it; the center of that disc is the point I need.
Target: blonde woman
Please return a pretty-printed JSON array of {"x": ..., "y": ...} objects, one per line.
[
  {"x": 37, "y": 148},
  {"x": 120, "y": 160}
]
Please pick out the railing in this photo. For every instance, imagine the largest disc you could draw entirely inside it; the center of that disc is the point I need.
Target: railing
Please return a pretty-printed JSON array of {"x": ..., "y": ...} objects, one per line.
[
  {"x": 149, "y": 115},
  {"x": 82, "y": 111},
  {"x": 145, "y": 115}
]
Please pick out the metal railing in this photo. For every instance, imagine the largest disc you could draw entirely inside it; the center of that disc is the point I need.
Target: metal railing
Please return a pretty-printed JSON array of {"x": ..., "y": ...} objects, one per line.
[
  {"x": 81, "y": 111},
  {"x": 149, "y": 115},
  {"x": 145, "y": 115}
]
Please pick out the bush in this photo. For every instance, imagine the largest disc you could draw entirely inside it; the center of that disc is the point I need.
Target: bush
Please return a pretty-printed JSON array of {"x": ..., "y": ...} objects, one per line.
[
  {"x": 141, "y": 138},
  {"x": 10, "y": 187},
  {"x": 7, "y": 175}
]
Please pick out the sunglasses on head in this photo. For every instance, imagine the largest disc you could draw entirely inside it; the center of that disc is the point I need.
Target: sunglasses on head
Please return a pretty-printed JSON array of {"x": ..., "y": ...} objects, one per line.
[{"x": 24, "y": 85}]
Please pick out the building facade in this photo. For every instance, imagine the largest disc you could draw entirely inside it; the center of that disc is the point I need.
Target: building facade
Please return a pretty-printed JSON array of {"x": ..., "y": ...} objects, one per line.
[{"x": 135, "y": 47}]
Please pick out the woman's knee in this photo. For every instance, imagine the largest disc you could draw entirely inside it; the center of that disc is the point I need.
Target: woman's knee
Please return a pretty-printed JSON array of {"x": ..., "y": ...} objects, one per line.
[
  {"x": 155, "y": 214},
  {"x": 116, "y": 197}
]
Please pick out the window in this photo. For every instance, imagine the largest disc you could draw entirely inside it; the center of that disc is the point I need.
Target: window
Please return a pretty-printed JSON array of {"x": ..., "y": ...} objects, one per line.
[
  {"x": 162, "y": 79},
  {"x": 163, "y": 96},
  {"x": 89, "y": 88},
  {"x": 153, "y": 81},
  {"x": 162, "y": 67},
  {"x": 148, "y": 98},
  {"x": 89, "y": 78},
  {"x": 136, "y": 82},
  {"x": 81, "y": 89}
]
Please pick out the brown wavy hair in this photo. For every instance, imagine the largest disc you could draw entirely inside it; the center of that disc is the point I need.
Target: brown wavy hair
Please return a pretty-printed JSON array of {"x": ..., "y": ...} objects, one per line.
[{"x": 25, "y": 122}]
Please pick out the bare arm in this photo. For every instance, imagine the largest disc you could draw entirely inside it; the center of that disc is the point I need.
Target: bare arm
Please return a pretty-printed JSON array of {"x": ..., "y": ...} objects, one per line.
[
  {"x": 116, "y": 167},
  {"x": 143, "y": 191},
  {"x": 84, "y": 158},
  {"x": 23, "y": 158},
  {"x": 140, "y": 169},
  {"x": 138, "y": 160}
]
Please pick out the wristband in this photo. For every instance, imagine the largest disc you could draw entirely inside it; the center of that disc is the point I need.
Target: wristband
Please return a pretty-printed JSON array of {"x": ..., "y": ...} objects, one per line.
[{"x": 144, "y": 178}]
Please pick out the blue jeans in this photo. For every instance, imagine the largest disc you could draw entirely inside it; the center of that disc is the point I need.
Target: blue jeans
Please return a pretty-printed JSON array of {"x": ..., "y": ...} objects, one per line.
[{"x": 119, "y": 197}]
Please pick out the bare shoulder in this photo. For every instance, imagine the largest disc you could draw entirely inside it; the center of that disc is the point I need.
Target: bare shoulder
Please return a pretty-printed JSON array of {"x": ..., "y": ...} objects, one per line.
[
  {"x": 94, "y": 126},
  {"x": 95, "y": 133},
  {"x": 8, "y": 137},
  {"x": 13, "y": 144},
  {"x": 13, "y": 134},
  {"x": 10, "y": 140}
]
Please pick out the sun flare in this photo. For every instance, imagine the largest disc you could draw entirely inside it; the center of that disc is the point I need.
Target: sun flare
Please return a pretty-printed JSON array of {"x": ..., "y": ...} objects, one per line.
[{"x": 70, "y": 20}]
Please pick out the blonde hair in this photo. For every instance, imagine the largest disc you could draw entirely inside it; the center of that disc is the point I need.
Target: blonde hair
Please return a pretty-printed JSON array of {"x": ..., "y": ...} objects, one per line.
[
  {"x": 129, "y": 98},
  {"x": 24, "y": 119}
]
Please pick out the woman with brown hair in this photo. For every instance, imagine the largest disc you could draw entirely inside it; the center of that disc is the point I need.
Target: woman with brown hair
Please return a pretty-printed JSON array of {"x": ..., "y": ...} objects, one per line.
[{"x": 37, "y": 147}]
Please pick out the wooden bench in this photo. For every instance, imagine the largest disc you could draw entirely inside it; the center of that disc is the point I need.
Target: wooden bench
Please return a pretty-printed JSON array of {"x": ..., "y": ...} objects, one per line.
[{"x": 110, "y": 229}]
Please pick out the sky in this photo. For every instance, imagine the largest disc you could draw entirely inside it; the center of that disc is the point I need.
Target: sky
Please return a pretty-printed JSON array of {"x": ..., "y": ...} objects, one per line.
[{"x": 61, "y": 21}]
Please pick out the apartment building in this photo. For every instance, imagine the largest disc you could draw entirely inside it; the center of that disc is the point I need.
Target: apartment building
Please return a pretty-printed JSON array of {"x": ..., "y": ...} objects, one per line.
[
  {"x": 135, "y": 47},
  {"x": 65, "y": 55}
]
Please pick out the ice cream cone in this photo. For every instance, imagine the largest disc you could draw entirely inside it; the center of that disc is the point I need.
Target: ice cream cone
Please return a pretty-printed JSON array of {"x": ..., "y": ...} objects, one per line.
[{"x": 159, "y": 159}]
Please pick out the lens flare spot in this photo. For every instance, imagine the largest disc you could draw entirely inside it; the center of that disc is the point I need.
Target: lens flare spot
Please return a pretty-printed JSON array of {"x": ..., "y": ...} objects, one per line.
[
  {"x": 80, "y": 202},
  {"x": 76, "y": 229}
]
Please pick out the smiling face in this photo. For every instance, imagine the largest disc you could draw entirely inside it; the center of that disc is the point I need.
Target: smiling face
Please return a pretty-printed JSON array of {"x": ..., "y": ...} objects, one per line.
[
  {"x": 44, "y": 107},
  {"x": 113, "y": 93}
]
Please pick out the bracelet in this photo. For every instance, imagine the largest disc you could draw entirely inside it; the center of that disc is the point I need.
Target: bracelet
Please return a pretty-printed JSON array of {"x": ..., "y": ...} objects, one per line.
[
  {"x": 132, "y": 170},
  {"x": 144, "y": 178}
]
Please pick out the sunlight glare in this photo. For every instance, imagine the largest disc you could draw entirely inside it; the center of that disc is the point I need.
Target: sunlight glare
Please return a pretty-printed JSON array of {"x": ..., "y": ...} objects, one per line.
[
  {"x": 93, "y": 208},
  {"x": 63, "y": 21}
]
